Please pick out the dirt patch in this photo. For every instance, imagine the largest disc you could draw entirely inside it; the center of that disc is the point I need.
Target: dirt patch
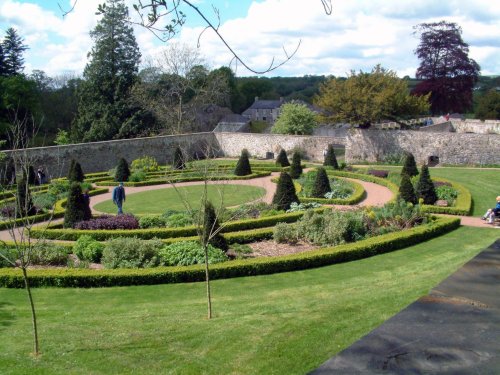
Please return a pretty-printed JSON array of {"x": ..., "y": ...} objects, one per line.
[{"x": 271, "y": 249}]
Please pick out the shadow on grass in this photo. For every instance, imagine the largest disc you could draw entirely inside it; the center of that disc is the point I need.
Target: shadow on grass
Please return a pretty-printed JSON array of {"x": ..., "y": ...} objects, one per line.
[{"x": 6, "y": 316}]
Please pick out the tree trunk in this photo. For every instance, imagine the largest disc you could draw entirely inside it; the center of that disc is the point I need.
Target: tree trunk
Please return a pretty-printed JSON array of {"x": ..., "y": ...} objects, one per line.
[
  {"x": 207, "y": 281},
  {"x": 33, "y": 313}
]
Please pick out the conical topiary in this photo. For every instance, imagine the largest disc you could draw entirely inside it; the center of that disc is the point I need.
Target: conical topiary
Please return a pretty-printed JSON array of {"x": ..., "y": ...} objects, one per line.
[
  {"x": 406, "y": 190},
  {"x": 211, "y": 228},
  {"x": 24, "y": 203},
  {"x": 425, "y": 188},
  {"x": 75, "y": 206},
  {"x": 75, "y": 172},
  {"x": 410, "y": 167},
  {"x": 282, "y": 159},
  {"x": 285, "y": 193},
  {"x": 122, "y": 171},
  {"x": 321, "y": 184},
  {"x": 330, "y": 158},
  {"x": 31, "y": 175},
  {"x": 243, "y": 166},
  {"x": 296, "y": 168},
  {"x": 178, "y": 159}
]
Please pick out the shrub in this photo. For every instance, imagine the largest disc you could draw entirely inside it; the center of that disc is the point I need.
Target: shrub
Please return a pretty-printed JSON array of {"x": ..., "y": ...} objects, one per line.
[
  {"x": 447, "y": 193},
  {"x": 145, "y": 164},
  {"x": 409, "y": 167},
  {"x": 321, "y": 184},
  {"x": 296, "y": 167},
  {"x": 294, "y": 207},
  {"x": 340, "y": 189},
  {"x": 75, "y": 206},
  {"x": 425, "y": 188},
  {"x": 285, "y": 233},
  {"x": 31, "y": 176},
  {"x": 75, "y": 173},
  {"x": 282, "y": 159},
  {"x": 47, "y": 254},
  {"x": 137, "y": 176},
  {"x": 378, "y": 173},
  {"x": 44, "y": 201},
  {"x": 59, "y": 188},
  {"x": 395, "y": 216},
  {"x": 10, "y": 254},
  {"x": 152, "y": 221},
  {"x": 179, "y": 160},
  {"x": 285, "y": 192},
  {"x": 126, "y": 221},
  {"x": 180, "y": 219},
  {"x": 211, "y": 228},
  {"x": 330, "y": 158},
  {"x": 186, "y": 253},
  {"x": 88, "y": 249},
  {"x": 24, "y": 203},
  {"x": 122, "y": 171},
  {"x": 131, "y": 253},
  {"x": 243, "y": 165},
  {"x": 406, "y": 190}
]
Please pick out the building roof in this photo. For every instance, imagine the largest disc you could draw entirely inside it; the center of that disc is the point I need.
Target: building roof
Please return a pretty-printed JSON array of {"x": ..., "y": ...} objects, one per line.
[
  {"x": 234, "y": 118},
  {"x": 265, "y": 104}
]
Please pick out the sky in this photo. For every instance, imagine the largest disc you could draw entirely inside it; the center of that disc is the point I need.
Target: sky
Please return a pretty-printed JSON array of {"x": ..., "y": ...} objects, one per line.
[{"x": 357, "y": 35}]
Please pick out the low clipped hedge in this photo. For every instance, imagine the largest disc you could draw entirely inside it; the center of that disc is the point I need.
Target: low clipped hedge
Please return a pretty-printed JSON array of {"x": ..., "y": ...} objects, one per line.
[
  {"x": 357, "y": 196},
  {"x": 368, "y": 178},
  {"x": 463, "y": 203},
  {"x": 164, "y": 180},
  {"x": 12, "y": 278}
]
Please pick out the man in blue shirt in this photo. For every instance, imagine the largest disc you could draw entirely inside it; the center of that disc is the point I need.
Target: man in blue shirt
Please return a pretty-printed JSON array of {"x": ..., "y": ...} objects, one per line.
[
  {"x": 119, "y": 197},
  {"x": 490, "y": 214}
]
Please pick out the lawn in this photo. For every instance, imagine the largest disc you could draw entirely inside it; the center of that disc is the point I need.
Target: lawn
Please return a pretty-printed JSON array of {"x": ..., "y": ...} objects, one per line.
[
  {"x": 282, "y": 324},
  {"x": 158, "y": 201}
]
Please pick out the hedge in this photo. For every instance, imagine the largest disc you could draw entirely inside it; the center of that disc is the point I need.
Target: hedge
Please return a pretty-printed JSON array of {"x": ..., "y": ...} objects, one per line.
[
  {"x": 463, "y": 203},
  {"x": 368, "y": 178},
  {"x": 357, "y": 196},
  {"x": 12, "y": 278}
]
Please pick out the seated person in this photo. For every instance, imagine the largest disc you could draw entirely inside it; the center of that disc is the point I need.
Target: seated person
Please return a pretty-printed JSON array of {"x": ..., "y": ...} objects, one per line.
[{"x": 490, "y": 214}]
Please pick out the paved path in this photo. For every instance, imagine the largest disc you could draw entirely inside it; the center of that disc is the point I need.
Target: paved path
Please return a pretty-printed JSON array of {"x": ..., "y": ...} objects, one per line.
[{"x": 455, "y": 329}]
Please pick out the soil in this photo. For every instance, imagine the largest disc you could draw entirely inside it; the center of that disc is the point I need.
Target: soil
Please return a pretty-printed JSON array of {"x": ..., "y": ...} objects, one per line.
[{"x": 270, "y": 248}]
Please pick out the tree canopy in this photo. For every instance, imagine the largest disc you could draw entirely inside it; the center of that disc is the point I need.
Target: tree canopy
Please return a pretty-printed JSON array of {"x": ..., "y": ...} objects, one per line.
[
  {"x": 448, "y": 74},
  {"x": 488, "y": 106},
  {"x": 365, "y": 98},
  {"x": 295, "y": 118},
  {"x": 11, "y": 59}
]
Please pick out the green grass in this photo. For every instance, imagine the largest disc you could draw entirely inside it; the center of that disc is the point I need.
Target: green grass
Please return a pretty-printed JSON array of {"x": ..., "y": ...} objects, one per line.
[
  {"x": 158, "y": 201},
  {"x": 282, "y": 324}
]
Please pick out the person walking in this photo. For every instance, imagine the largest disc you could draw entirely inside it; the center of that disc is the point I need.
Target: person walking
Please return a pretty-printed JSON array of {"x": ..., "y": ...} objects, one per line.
[{"x": 119, "y": 197}]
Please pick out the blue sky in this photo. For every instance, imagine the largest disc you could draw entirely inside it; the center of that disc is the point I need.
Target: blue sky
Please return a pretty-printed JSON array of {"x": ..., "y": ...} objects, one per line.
[{"x": 357, "y": 36}]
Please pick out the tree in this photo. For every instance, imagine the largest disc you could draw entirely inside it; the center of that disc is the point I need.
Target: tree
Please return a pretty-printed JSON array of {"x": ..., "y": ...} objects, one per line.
[
  {"x": 321, "y": 184},
  {"x": 285, "y": 193},
  {"x": 24, "y": 203},
  {"x": 122, "y": 171},
  {"x": 179, "y": 162},
  {"x": 31, "y": 175},
  {"x": 75, "y": 207},
  {"x": 296, "y": 167},
  {"x": 243, "y": 165},
  {"x": 366, "y": 98},
  {"x": 488, "y": 106},
  {"x": 425, "y": 188},
  {"x": 295, "y": 118},
  {"x": 13, "y": 49},
  {"x": 448, "y": 74},
  {"x": 282, "y": 159},
  {"x": 211, "y": 228},
  {"x": 3, "y": 70},
  {"x": 410, "y": 166},
  {"x": 330, "y": 158},
  {"x": 75, "y": 172},
  {"x": 104, "y": 108},
  {"x": 406, "y": 190}
]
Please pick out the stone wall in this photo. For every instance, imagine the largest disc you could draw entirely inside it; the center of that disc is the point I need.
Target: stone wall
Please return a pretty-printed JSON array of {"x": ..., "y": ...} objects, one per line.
[
  {"x": 477, "y": 126},
  {"x": 259, "y": 145},
  {"x": 102, "y": 156},
  {"x": 450, "y": 148}
]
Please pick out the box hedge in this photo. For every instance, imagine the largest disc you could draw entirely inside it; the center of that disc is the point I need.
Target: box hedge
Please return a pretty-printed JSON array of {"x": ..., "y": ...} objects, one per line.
[{"x": 12, "y": 278}]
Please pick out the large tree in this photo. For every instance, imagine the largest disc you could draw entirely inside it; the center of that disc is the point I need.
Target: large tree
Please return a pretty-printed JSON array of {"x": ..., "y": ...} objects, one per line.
[
  {"x": 365, "y": 98},
  {"x": 12, "y": 51},
  {"x": 448, "y": 74},
  {"x": 104, "y": 109},
  {"x": 488, "y": 106},
  {"x": 295, "y": 118}
]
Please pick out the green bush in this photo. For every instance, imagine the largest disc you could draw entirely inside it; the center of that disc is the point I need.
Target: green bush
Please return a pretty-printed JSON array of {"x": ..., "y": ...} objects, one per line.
[
  {"x": 44, "y": 201},
  {"x": 88, "y": 249},
  {"x": 285, "y": 233},
  {"x": 321, "y": 184},
  {"x": 296, "y": 167},
  {"x": 340, "y": 189},
  {"x": 243, "y": 166},
  {"x": 282, "y": 159},
  {"x": 330, "y": 158},
  {"x": 75, "y": 173},
  {"x": 409, "y": 167},
  {"x": 131, "y": 253},
  {"x": 137, "y": 176},
  {"x": 152, "y": 221},
  {"x": 179, "y": 220},
  {"x": 447, "y": 193},
  {"x": 75, "y": 207},
  {"x": 48, "y": 254},
  {"x": 145, "y": 164},
  {"x": 425, "y": 187},
  {"x": 187, "y": 253},
  {"x": 10, "y": 254},
  {"x": 406, "y": 190},
  {"x": 285, "y": 192},
  {"x": 211, "y": 228},
  {"x": 122, "y": 171}
]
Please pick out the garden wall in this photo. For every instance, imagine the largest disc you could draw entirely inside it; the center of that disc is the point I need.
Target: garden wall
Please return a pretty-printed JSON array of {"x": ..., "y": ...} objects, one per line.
[
  {"x": 449, "y": 148},
  {"x": 477, "y": 126}
]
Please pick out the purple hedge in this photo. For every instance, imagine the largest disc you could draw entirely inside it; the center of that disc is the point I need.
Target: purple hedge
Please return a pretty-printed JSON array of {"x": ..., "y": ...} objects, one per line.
[{"x": 126, "y": 221}]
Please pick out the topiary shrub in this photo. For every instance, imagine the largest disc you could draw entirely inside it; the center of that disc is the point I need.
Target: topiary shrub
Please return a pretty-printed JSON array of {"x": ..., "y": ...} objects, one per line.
[
  {"x": 321, "y": 184},
  {"x": 24, "y": 203},
  {"x": 31, "y": 176},
  {"x": 425, "y": 188},
  {"x": 296, "y": 168},
  {"x": 330, "y": 158},
  {"x": 285, "y": 193},
  {"x": 211, "y": 228},
  {"x": 409, "y": 167},
  {"x": 186, "y": 253},
  {"x": 131, "y": 253},
  {"x": 282, "y": 159},
  {"x": 122, "y": 172},
  {"x": 243, "y": 166},
  {"x": 88, "y": 249},
  {"x": 75, "y": 172},
  {"x": 406, "y": 190},
  {"x": 179, "y": 162},
  {"x": 75, "y": 206}
]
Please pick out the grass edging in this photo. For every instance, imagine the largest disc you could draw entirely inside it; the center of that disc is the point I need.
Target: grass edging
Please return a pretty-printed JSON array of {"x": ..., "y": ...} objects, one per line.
[{"x": 12, "y": 278}]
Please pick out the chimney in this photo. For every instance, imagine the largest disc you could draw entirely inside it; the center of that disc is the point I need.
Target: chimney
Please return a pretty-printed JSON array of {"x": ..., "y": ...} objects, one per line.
[{"x": 256, "y": 98}]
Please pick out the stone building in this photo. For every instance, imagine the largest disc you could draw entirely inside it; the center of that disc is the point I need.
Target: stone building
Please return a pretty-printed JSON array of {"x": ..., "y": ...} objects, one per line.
[{"x": 263, "y": 110}]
